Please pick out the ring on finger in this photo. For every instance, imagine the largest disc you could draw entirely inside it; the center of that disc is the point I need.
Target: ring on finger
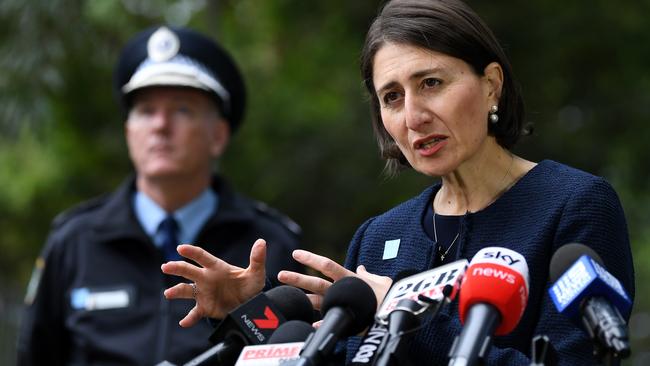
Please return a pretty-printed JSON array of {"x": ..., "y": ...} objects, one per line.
[{"x": 194, "y": 290}]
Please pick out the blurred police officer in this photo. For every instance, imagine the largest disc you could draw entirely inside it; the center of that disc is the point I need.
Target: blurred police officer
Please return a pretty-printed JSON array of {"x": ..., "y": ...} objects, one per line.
[{"x": 96, "y": 292}]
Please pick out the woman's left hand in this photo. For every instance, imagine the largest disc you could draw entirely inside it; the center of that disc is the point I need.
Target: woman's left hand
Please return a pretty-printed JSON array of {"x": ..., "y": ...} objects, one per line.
[
  {"x": 332, "y": 270},
  {"x": 379, "y": 284}
]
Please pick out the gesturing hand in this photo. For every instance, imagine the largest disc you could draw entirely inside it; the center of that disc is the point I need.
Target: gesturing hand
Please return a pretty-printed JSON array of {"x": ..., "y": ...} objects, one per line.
[
  {"x": 333, "y": 271},
  {"x": 219, "y": 287}
]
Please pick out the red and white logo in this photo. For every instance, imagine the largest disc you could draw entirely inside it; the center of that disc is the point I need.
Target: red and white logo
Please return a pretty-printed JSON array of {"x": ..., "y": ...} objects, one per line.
[
  {"x": 270, "y": 322},
  {"x": 269, "y": 354},
  {"x": 499, "y": 277}
]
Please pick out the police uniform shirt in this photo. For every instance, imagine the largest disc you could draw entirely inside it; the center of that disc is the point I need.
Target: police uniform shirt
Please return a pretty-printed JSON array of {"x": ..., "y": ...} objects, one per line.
[
  {"x": 190, "y": 218},
  {"x": 97, "y": 287}
]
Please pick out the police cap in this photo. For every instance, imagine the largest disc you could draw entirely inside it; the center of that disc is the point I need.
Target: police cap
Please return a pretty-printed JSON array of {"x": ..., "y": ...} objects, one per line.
[{"x": 170, "y": 56}]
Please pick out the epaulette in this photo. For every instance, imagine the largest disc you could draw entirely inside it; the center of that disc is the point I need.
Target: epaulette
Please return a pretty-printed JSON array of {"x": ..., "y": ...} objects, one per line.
[
  {"x": 278, "y": 216},
  {"x": 76, "y": 210}
]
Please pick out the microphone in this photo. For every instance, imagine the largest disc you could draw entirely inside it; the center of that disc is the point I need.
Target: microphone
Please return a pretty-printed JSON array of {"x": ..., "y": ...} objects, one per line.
[
  {"x": 425, "y": 285},
  {"x": 584, "y": 291},
  {"x": 371, "y": 344},
  {"x": 283, "y": 345},
  {"x": 291, "y": 331},
  {"x": 253, "y": 323},
  {"x": 348, "y": 305},
  {"x": 375, "y": 337},
  {"x": 416, "y": 296},
  {"x": 493, "y": 296}
]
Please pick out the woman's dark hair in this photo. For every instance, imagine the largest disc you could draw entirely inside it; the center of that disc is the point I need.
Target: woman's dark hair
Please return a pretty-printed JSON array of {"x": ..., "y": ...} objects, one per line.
[{"x": 452, "y": 28}]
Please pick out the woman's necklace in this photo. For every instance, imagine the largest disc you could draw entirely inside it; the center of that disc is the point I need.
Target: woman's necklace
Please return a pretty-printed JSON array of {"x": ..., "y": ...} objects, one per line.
[
  {"x": 435, "y": 231},
  {"x": 435, "y": 237}
]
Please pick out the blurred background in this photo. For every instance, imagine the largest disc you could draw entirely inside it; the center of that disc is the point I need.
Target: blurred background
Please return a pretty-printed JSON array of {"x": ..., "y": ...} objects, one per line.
[{"x": 306, "y": 146}]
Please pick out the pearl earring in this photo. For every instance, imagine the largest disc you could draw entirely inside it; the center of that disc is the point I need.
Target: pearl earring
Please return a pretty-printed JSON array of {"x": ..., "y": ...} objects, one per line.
[{"x": 493, "y": 116}]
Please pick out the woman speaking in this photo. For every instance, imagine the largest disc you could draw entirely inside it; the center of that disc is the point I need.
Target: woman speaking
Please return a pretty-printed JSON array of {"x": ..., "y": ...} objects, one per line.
[{"x": 445, "y": 103}]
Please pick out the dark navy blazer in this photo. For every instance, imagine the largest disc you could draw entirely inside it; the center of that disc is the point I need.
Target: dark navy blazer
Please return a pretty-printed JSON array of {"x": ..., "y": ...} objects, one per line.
[{"x": 550, "y": 206}]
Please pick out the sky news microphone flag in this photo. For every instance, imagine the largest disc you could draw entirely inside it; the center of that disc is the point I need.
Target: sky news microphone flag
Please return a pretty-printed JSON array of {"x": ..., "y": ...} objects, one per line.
[{"x": 493, "y": 297}]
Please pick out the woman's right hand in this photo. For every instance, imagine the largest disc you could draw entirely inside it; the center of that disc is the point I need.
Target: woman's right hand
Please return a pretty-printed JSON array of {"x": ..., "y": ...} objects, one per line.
[{"x": 219, "y": 287}]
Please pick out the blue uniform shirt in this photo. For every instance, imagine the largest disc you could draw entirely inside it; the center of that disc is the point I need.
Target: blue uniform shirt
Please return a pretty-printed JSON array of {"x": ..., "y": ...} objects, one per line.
[{"x": 190, "y": 218}]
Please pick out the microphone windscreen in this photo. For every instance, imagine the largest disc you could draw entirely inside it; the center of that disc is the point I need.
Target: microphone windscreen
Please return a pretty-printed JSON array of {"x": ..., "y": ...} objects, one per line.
[
  {"x": 566, "y": 255},
  {"x": 499, "y": 277},
  {"x": 291, "y": 331},
  {"x": 292, "y": 303},
  {"x": 357, "y": 297}
]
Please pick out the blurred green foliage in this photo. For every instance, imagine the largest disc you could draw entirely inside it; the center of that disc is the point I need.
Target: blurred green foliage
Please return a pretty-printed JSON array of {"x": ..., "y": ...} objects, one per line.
[{"x": 306, "y": 146}]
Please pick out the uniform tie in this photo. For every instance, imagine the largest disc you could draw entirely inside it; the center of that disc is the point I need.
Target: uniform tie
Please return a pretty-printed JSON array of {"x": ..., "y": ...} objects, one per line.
[{"x": 168, "y": 230}]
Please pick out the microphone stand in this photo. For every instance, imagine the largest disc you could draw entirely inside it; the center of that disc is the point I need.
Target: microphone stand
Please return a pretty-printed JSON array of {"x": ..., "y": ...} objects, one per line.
[
  {"x": 542, "y": 352},
  {"x": 607, "y": 330},
  {"x": 212, "y": 356},
  {"x": 218, "y": 354},
  {"x": 390, "y": 353},
  {"x": 463, "y": 353}
]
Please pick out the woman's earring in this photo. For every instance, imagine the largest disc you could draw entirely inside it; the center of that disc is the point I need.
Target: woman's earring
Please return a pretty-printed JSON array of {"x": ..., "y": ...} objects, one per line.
[{"x": 493, "y": 116}]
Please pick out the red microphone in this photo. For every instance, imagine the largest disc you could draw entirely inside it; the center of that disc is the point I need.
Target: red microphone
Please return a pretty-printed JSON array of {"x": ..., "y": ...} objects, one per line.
[{"x": 493, "y": 296}]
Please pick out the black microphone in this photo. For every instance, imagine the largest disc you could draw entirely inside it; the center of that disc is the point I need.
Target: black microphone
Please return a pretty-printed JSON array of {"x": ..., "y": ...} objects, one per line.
[
  {"x": 376, "y": 335},
  {"x": 291, "y": 331},
  {"x": 253, "y": 323},
  {"x": 584, "y": 291},
  {"x": 402, "y": 322},
  {"x": 349, "y": 305}
]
